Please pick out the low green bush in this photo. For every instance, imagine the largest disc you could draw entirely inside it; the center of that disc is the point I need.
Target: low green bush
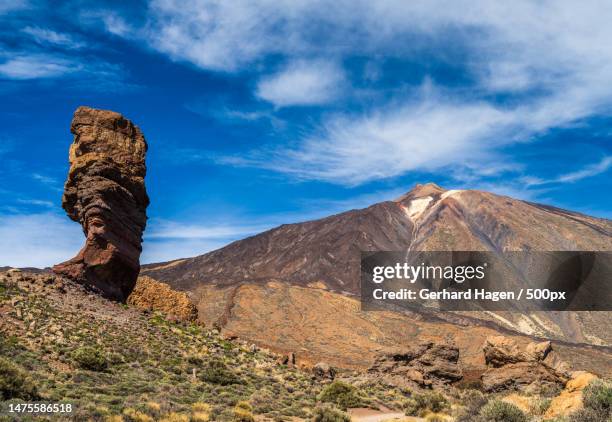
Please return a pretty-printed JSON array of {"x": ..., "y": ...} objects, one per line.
[
  {"x": 14, "y": 382},
  {"x": 419, "y": 404},
  {"x": 598, "y": 397},
  {"x": 341, "y": 394},
  {"x": 473, "y": 401},
  {"x": 243, "y": 412},
  {"x": 90, "y": 358},
  {"x": 329, "y": 414},
  {"x": 499, "y": 411},
  {"x": 217, "y": 372}
]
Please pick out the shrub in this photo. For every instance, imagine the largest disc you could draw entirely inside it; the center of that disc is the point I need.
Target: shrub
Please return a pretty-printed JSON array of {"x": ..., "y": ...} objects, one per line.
[
  {"x": 200, "y": 417},
  {"x": 134, "y": 415},
  {"x": 243, "y": 412},
  {"x": 420, "y": 404},
  {"x": 598, "y": 397},
  {"x": 342, "y": 394},
  {"x": 175, "y": 417},
  {"x": 90, "y": 358},
  {"x": 433, "y": 401},
  {"x": 153, "y": 407},
  {"x": 201, "y": 407},
  {"x": 586, "y": 415},
  {"x": 540, "y": 406},
  {"x": 329, "y": 414},
  {"x": 499, "y": 411},
  {"x": 216, "y": 372},
  {"x": 411, "y": 407},
  {"x": 14, "y": 383},
  {"x": 200, "y": 412},
  {"x": 473, "y": 400}
]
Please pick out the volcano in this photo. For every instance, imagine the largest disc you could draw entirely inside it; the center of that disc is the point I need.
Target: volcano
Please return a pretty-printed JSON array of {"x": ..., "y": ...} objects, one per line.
[{"x": 296, "y": 287}]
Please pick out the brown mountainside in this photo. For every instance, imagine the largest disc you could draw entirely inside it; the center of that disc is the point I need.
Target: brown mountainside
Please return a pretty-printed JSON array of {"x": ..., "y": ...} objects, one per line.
[
  {"x": 426, "y": 218},
  {"x": 294, "y": 288}
]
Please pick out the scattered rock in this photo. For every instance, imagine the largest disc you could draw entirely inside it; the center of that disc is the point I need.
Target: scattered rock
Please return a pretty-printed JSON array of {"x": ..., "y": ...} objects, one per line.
[
  {"x": 323, "y": 370},
  {"x": 288, "y": 359},
  {"x": 105, "y": 192},
  {"x": 501, "y": 350},
  {"x": 428, "y": 364},
  {"x": 511, "y": 368},
  {"x": 519, "y": 376},
  {"x": 537, "y": 351},
  {"x": 151, "y": 295},
  {"x": 570, "y": 399}
]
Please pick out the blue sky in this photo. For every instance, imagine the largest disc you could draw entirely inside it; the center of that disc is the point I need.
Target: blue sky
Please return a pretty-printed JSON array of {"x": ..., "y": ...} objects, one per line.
[{"x": 259, "y": 113}]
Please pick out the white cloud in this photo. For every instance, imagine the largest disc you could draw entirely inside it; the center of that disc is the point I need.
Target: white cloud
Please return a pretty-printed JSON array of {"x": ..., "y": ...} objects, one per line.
[
  {"x": 38, "y": 240},
  {"x": 7, "y": 6},
  {"x": 34, "y": 66},
  {"x": 428, "y": 133},
  {"x": 554, "y": 54},
  {"x": 37, "y": 202},
  {"x": 165, "y": 240},
  {"x": 48, "y": 36},
  {"x": 587, "y": 171},
  {"x": 169, "y": 249},
  {"x": 116, "y": 25},
  {"x": 302, "y": 83},
  {"x": 51, "y": 182},
  {"x": 173, "y": 230}
]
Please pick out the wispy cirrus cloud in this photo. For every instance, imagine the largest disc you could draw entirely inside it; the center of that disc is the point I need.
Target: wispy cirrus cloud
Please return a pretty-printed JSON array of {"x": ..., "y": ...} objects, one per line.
[
  {"x": 164, "y": 229},
  {"x": 7, "y": 6},
  {"x": 302, "y": 83},
  {"x": 590, "y": 170},
  {"x": 547, "y": 58},
  {"x": 36, "y": 66},
  {"x": 47, "y": 36},
  {"x": 37, "y": 202}
]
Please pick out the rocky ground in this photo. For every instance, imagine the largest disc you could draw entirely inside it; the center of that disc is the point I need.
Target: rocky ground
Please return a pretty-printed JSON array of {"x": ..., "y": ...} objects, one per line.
[{"x": 117, "y": 362}]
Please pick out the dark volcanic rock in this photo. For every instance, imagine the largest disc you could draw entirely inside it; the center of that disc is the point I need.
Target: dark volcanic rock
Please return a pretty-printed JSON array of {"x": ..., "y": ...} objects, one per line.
[
  {"x": 428, "y": 364},
  {"x": 105, "y": 192}
]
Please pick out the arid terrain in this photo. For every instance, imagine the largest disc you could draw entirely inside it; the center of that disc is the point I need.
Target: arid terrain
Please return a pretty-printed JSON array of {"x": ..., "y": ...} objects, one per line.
[{"x": 62, "y": 343}]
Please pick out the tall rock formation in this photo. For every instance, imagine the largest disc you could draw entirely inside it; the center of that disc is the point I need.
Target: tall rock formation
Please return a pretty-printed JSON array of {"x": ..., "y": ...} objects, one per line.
[{"x": 105, "y": 192}]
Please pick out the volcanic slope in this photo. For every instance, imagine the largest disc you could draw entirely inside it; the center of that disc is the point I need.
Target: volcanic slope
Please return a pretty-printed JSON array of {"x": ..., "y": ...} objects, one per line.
[{"x": 283, "y": 268}]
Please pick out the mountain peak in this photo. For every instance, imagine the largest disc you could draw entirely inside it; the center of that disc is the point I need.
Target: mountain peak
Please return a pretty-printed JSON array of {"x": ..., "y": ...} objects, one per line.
[{"x": 421, "y": 191}]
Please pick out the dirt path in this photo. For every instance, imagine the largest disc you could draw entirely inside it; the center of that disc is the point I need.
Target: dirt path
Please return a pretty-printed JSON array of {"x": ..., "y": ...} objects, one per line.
[{"x": 370, "y": 415}]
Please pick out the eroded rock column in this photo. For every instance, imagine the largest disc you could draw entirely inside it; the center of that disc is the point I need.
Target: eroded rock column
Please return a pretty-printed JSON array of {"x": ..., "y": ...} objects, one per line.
[{"x": 105, "y": 193}]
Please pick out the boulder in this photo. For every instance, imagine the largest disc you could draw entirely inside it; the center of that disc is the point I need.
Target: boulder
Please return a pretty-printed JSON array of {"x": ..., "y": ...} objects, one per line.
[
  {"x": 511, "y": 368},
  {"x": 323, "y": 371},
  {"x": 151, "y": 295},
  {"x": 425, "y": 365},
  {"x": 105, "y": 193},
  {"x": 501, "y": 350},
  {"x": 520, "y": 376},
  {"x": 537, "y": 351}
]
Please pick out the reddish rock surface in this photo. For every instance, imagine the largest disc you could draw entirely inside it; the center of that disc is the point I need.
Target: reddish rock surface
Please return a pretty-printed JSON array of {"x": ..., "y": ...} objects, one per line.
[
  {"x": 152, "y": 295},
  {"x": 428, "y": 364},
  {"x": 105, "y": 193},
  {"x": 511, "y": 368}
]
